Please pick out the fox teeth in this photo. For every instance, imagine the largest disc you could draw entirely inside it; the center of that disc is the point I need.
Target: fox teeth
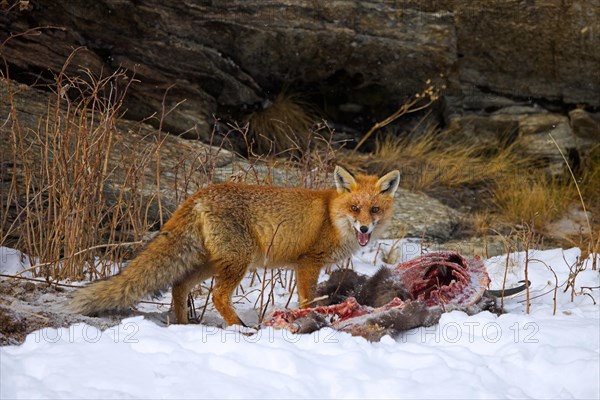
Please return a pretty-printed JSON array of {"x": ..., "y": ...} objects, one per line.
[{"x": 363, "y": 238}]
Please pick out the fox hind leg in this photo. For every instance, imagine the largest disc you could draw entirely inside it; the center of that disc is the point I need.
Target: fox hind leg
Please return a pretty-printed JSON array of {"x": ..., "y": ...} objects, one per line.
[
  {"x": 230, "y": 274},
  {"x": 181, "y": 291}
]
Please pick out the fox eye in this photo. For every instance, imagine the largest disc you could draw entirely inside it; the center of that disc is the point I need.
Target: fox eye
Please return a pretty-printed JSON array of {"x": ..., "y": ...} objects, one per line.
[
  {"x": 374, "y": 210},
  {"x": 355, "y": 208}
]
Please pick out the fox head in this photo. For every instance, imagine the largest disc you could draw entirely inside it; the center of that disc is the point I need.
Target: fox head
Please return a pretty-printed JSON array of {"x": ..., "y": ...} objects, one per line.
[{"x": 364, "y": 203}]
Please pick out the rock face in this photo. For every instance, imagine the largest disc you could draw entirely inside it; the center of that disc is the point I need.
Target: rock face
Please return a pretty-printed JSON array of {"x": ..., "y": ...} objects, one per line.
[
  {"x": 236, "y": 53},
  {"x": 227, "y": 57},
  {"x": 542, "y": 50}
]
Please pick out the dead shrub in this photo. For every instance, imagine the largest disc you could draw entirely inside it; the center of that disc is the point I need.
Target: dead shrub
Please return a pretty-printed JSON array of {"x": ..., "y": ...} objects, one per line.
[{"x": 281, "y": 125}]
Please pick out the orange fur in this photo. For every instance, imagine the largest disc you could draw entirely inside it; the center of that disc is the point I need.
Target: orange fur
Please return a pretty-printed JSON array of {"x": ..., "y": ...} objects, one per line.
[{"x": 222, "y": 230}]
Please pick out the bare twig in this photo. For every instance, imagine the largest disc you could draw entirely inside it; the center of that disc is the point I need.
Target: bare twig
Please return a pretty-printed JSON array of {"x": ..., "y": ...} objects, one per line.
[
  {"x": 38, "y": 280},
  {"x": 528, "y": 240},
  {"x": 430, "y": 95},
  {"x": 100, "y": 246},
  {"x": 587, "y": 218},
  {"x": 212, "y": 281}
]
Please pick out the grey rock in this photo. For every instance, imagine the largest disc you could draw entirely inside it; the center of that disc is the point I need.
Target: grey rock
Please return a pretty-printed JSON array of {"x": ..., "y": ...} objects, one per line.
[
  {"x": 485, "y": 129},
  {"x": 484, "y": 246},
  {"x": 418, "y": 215},
  {"x": 476, "y": 99},
  {"x": 573, "y": 224},
  {"x": 520, "y": 110},
  {"x": 586, "y": 125},
  {"x": 546, "y": 136},
  {"x": 540, "y": 133}
]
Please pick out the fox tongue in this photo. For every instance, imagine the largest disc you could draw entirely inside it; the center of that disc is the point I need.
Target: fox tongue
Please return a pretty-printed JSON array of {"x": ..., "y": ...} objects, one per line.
[{"x": 363, "y": 238}]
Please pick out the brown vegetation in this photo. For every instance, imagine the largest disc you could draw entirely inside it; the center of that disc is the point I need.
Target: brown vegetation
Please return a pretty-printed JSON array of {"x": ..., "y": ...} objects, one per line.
[
  {"x": 63, "y": 217},
  {"x": 283, "y": 124}
]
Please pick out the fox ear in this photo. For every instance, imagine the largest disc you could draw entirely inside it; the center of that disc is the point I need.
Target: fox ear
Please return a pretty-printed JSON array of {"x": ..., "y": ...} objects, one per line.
[
  {"x": 389, "y": 183},
  {"x": 343, "y": 179}
]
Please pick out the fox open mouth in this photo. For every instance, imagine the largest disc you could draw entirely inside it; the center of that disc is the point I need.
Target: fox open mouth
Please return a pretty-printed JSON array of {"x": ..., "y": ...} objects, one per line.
[{"x": 363, "y": 238}]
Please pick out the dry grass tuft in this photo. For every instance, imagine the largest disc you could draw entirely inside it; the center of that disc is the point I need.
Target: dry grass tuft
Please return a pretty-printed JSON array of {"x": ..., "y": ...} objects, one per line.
[
  {"x": 281, "y": 125},
  {"x": 63, "y": 217},
  {"x": 533, "y": 198},
  {"x": 426, "y": 162},
  {"x": 483, "y": 223}
]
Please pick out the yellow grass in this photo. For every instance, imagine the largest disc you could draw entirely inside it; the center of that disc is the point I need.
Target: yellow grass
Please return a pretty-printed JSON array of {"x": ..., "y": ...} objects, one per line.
[
  {"x": 283, "y": 125},
  {"x": 432, "y": 160},
  {"x": 533, "y": 198}
]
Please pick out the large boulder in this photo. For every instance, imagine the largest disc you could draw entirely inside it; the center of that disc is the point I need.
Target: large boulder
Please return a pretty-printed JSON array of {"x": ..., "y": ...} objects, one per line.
[
  {"x": 545, "y": 136},
  {"x": 417, "y": 215}
]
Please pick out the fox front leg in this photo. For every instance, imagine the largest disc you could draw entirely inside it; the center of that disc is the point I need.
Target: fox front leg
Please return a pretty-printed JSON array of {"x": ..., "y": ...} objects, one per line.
[{"x": 307, "y": 276}]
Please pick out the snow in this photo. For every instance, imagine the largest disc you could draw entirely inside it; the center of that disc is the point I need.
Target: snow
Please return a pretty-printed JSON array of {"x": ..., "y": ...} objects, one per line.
[
  {"x": 12, "y": 261},
  {"x": 514, "y": 355}
]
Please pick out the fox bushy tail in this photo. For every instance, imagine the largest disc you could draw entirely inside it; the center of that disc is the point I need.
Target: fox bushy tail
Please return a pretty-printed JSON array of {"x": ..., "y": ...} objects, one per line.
[{"x": 162, "y": 263}]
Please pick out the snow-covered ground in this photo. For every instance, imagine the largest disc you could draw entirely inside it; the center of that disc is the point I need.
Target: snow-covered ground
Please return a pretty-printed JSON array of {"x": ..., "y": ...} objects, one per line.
[{"x": 514, "y": 355}]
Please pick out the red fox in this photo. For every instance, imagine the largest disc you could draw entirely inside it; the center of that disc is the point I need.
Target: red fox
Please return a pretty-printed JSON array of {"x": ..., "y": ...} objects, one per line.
[{"x": 224, "y": 229}]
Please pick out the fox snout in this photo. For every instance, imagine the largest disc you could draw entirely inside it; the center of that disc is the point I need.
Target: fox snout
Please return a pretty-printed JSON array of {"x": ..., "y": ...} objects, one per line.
[{"x": 363, "y": 232}]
